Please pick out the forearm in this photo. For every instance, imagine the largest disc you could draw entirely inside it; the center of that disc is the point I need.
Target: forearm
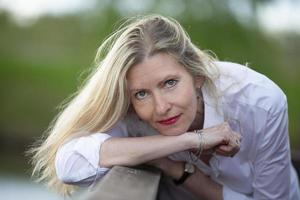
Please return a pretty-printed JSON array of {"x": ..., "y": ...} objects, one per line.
[
  {"x": 137, "y": 150},
  {"x": 198, "y": 183},
  {"x": 203, "y": 186}
]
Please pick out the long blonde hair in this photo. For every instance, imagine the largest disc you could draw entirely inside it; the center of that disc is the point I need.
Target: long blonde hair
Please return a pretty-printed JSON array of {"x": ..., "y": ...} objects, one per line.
[{"x": 103, "y": 100}]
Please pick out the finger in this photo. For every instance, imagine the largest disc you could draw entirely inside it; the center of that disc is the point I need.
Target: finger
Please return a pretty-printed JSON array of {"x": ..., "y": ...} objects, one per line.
[
  {"x": 238, "y": 136},
  {"x": 228, "y": 150},
  {"x": 224, "y": 150},
  {"x": 235, "y": 140},
  {"x": 237, "y": 146},
  {"x": 227, "y": 154},
  {"x": 223, "y": 153}
]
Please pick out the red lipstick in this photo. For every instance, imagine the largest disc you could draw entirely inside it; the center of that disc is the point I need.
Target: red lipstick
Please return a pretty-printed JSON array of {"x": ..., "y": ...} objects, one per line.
[{"x": 169, "y": 121}]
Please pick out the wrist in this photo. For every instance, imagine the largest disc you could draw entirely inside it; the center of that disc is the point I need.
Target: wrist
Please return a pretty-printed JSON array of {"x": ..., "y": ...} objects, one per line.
[
  {"x": 192, "y": 140},
  {"x": 174, "y": 169},
  {"x": 189, "y": 169},
  {"x": 178, "y": 170}
]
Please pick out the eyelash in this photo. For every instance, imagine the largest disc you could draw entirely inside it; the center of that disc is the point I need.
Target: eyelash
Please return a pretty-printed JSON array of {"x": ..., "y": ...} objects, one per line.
[
  {"x": 165, "y": 84},
  {"x": 171, "y": 80},
  {"x": 136, "y": 95}
]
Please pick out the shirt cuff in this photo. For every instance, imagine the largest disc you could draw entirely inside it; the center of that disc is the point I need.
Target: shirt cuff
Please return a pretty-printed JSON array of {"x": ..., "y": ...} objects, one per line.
[
  {"x": 90, "y": 148},
  {"x": 78, "y": 160}
]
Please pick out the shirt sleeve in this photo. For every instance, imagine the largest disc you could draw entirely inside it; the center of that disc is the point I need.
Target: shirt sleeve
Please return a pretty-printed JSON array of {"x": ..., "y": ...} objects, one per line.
[
  {"x": 77, "y": 161},
  {"x": 229, "y": 194},
  {"x": 272, "y": 163}
]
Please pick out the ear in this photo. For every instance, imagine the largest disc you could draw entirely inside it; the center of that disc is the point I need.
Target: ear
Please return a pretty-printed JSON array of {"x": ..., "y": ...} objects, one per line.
[{"x": 199, "y": 81}]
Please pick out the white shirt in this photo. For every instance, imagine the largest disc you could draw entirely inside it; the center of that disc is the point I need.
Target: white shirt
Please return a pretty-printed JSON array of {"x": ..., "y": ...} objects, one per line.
[{"x": 260, "y": 170}]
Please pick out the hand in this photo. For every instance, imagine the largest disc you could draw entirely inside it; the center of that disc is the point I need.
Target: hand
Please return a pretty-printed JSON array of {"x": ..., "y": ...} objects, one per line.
[{"x": 222, "y": 140}]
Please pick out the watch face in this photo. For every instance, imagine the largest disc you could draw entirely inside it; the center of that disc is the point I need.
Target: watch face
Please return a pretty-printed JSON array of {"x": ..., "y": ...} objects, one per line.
[{"x": 189, "y": 168}]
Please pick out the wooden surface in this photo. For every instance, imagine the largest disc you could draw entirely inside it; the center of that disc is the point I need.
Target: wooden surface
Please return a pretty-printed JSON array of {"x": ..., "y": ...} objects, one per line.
[
  {"x": 124, "y": 183},
  {"x": 127, "y": 184}
]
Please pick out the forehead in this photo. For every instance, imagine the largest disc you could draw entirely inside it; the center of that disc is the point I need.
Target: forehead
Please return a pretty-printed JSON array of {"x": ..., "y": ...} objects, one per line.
[{"x": 154, "y": 69}]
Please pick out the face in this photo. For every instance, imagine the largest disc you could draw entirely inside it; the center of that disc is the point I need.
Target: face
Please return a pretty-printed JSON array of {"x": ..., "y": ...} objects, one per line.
[{"x": 163, "y": 94}]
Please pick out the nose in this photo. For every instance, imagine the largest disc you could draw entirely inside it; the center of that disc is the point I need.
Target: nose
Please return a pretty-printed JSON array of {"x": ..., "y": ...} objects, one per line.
[{"x": 162, "y": 105}]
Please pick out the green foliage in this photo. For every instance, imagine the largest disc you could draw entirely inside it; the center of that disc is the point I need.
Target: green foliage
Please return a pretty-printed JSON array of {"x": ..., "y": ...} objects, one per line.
[{"x": 43, "y": 64}]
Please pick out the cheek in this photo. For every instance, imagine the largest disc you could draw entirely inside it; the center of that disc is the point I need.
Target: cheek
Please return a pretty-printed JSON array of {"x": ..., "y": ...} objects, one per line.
[
  {"x": 188, "y": 98},
  {"x": 194, "y": 101},
  {"x": 189, "y": 103},
  {"x": 143, "y": 111}
]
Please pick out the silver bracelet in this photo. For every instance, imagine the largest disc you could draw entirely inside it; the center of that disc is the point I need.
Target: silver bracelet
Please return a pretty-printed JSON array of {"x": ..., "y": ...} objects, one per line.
[{"x": 200, "y": 146}]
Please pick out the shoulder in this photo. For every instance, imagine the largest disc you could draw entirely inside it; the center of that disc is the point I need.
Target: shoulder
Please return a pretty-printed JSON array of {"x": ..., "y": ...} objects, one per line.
[{"x": 240, "y": 84}]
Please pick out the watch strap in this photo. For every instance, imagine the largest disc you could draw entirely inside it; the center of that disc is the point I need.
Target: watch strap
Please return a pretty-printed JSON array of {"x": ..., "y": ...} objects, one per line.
[
  {"x": 181, "y": 180},
  {"x": 188, "y": 170}
]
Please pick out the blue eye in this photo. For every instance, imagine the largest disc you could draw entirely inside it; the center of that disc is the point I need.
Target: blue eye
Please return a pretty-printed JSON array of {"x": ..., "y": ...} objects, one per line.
[
  {"x": 141, "y": 95},
  {"x": 171, "y": 83}
]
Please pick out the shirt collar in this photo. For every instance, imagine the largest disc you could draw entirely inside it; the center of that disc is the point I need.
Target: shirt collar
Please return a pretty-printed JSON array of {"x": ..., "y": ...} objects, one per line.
[{"x": 213, "y": 114}]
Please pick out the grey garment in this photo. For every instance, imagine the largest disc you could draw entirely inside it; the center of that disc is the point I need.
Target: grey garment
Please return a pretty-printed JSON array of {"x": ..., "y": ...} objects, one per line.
[{"x": 169, "y": 191}]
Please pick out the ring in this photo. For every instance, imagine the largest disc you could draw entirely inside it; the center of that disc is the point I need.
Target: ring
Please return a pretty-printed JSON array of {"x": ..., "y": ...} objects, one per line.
[{"x": 237, "y": 141}]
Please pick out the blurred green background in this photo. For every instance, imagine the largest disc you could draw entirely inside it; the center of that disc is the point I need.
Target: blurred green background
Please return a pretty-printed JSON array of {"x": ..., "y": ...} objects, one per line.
[{"x": 44, "y": 59}]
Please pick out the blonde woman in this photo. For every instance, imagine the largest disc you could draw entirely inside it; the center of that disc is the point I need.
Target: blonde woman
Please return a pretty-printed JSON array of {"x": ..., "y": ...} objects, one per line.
[{"x": 218, "y": 130}]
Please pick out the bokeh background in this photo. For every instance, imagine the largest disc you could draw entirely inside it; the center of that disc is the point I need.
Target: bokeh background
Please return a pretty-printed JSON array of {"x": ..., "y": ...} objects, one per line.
[{"x": 47, "y": 48}]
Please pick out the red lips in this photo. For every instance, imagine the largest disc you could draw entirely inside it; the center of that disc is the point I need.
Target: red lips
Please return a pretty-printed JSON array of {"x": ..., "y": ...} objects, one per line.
[{"x": 170, "y": 121}]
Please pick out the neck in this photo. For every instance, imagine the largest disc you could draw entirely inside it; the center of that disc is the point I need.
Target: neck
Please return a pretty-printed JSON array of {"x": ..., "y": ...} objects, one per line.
[
  {"x": 199, "y": 118},
  {"x": 197, "y": 123}
]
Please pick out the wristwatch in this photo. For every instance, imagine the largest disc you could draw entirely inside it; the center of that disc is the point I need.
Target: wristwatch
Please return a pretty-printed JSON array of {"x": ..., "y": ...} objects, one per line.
[{"x": 189, "y": 169}]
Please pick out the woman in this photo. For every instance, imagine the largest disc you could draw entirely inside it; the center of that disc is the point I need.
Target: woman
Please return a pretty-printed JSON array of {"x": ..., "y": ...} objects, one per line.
[{"x": 217, "y": 129}]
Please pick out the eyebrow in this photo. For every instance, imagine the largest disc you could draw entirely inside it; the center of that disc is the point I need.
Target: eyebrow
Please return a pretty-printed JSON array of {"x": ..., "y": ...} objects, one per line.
[
  {"x": 169, "y": 76},
  {"x": 165, "y": 79},
  {"x": 136, "y": 90}
]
